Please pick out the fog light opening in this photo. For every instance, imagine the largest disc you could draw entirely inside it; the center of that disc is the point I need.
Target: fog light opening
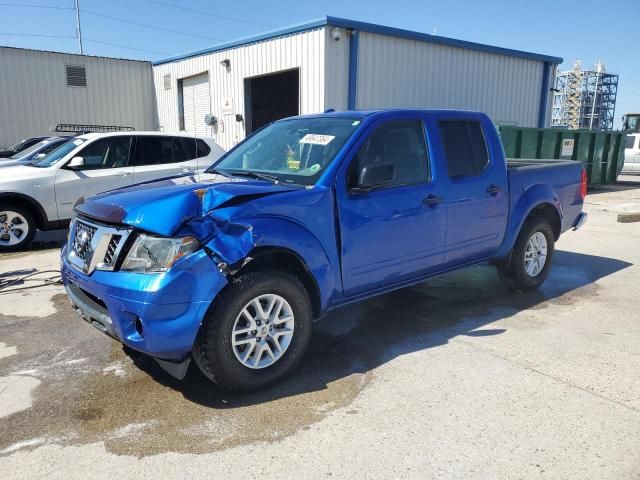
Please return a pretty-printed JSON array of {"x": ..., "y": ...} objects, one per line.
[{"x": 139, "y": 328}]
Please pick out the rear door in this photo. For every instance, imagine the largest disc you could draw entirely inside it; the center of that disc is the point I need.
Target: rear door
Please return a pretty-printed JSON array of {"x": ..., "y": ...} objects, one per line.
[
  {"x": 396, "y": 232},
  {"x": 477, "y": 195},
  {"x": 106, "y": 167}
]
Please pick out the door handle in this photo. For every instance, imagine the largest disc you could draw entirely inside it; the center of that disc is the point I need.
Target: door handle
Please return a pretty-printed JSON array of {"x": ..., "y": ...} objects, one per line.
[
  {"x": 493, "y": 190},
  {"x": 433, "y": 200}
]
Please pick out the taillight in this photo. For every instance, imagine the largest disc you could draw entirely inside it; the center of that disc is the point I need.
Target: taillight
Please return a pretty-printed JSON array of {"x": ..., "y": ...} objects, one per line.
[{"x": 583, "y": 184}]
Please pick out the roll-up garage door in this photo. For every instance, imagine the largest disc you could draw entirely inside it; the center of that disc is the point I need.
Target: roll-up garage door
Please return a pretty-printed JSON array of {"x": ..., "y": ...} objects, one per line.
[{"x": 196, "y": 103}]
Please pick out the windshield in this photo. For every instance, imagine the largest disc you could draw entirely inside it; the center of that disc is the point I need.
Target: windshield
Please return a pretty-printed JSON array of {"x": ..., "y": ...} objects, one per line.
[
  {"x": 17, "y": 145},
  {"x": 59, "y": 153},
  {"x": 290, "y": 151},
  {"x": 27, "y": 151}
]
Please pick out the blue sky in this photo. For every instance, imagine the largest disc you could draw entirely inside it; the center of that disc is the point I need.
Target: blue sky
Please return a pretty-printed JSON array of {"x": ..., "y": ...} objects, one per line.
[{"x": 590, "y": 30}]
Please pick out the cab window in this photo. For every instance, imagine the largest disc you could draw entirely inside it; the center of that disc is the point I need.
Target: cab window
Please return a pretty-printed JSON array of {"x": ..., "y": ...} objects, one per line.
[{"x": 401, "y": 143}]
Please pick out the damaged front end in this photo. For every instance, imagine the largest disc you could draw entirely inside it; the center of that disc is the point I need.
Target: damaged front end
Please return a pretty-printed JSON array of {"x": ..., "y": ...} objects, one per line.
[{"x": 154, "y": 298}]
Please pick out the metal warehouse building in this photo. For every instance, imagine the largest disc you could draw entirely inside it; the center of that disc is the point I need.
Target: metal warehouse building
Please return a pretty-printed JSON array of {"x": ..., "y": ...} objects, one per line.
[
  {"x": 39, "y": 90},
  {"x": 343, "y": 64}
]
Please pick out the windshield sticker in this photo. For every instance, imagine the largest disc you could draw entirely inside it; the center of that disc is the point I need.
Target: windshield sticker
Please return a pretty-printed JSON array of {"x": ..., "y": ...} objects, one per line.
[
  {"x": 315, "y": 167},
  {"x": 77, "y": 142},
  {"x": 316, "y": 139},
  {"x": 356, "y": 123}
]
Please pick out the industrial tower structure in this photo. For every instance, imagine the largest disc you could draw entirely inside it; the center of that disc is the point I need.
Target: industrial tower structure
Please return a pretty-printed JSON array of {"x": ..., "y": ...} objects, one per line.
[{"x": 585, "y": 98}]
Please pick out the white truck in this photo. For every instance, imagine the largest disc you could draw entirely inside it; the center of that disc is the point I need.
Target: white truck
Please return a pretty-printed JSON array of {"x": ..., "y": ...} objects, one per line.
[
  {"x": 632, "y": 154},
  {"x": 42, "y": 195}
]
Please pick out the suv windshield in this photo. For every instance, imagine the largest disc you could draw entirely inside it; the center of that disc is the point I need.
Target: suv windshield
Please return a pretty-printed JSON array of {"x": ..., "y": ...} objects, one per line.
[
  {"x": 291, "y": 151},
  {"x": 27, "y": 151},
  {"x": 59, "y": 153}
]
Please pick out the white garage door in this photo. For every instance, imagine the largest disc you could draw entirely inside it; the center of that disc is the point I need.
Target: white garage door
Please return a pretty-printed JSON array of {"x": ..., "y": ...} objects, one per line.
[{"x": 197, "y": 103}]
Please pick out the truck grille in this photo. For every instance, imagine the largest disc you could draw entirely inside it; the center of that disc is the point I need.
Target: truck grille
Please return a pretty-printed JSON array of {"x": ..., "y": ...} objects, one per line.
[
  {"x": 82, "y": 238},
  {"x": 93, "y": 246},
  {"x": 110, "y": 256}
]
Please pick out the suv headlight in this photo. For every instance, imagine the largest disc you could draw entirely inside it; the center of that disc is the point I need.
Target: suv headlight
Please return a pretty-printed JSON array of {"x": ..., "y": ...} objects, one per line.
[{"x": 157, "y": 254}]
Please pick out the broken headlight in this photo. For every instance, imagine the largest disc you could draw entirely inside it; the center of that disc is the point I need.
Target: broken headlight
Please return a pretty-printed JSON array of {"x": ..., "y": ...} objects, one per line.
[{"x": 157, "y": 254}]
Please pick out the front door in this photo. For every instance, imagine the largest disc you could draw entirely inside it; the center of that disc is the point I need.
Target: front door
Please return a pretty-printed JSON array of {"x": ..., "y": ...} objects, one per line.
[
  {"x": 396, "y": 232},
  {"x": 106, "y": 167}
]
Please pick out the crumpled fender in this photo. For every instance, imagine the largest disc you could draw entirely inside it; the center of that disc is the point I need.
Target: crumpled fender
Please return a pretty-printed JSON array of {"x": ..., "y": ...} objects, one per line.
[
  {"x": 533, "y": 197},
  {"x": 231, "y": 243}
]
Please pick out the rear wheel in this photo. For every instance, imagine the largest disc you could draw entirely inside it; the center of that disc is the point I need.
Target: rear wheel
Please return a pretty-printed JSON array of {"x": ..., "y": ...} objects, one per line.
[
  {"x": 532, "y": 255},
  {"x": 17, "y": 227},
  {"x": 256, "y": 332}
]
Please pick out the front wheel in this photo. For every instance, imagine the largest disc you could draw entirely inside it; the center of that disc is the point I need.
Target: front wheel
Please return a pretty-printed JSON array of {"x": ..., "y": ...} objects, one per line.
[
  {"x": 256, "y": 332},
  {"x": 532, "y": 255},
  {"x": 17, "y": 228}
]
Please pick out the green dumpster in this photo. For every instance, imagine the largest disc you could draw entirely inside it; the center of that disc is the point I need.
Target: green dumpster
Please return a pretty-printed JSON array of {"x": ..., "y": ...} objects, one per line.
[{"x": 601, "y": 153}]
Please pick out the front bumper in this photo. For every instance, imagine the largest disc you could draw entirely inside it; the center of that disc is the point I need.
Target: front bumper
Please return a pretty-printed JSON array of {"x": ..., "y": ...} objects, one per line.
[{"x": 156, "y": 314}]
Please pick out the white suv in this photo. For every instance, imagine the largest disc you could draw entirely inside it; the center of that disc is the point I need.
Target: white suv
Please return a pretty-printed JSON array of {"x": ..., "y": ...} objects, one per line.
[{"x": 42, "y": 195}]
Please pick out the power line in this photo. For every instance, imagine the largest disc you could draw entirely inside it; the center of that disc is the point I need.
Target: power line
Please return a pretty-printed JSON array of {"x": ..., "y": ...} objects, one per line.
[
  {"x": 35, "y": 35},
  {"x": 123, "y": 46},
  {"x": 117, "y": 19},
  {"x": 89, "y": 12},
  {"x": 85, "y": 38},
  {"x": 30, "y": 5},
  {"x": 201, "y": 12}
]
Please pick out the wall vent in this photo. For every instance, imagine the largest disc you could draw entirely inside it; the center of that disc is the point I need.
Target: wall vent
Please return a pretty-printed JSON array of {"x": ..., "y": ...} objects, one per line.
[
  {"x": 76, "y": 76},
  {"x": 167, "y": 81}
]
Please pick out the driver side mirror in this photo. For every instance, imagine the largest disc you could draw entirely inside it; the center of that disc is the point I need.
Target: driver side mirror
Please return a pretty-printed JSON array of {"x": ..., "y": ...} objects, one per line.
[
  {"x": 76, "y": 163},
  {"x": 374, "y": 175}
]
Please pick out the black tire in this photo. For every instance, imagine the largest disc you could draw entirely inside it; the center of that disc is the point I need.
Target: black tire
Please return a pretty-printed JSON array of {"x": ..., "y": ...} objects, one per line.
[
  {"x": 213, "y": 352},
  {"x": 29, "y": 222},
  {"x": 517, "y": 271}
]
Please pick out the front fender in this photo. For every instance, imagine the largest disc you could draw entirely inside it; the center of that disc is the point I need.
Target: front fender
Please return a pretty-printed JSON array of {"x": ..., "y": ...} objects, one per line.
[
  {"x": 524, "y": 202},
  {"x": 284, "y": 233},
  {"x": 233, "y": 240}
]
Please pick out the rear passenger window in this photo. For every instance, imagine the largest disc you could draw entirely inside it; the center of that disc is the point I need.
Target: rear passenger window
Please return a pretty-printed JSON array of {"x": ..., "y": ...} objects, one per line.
[
  {"x": 189, "y": 147},
  {"x": 464, "y": 147},
  {"x": 203, "y": 148},
  {"x": 153, "y": 150}
]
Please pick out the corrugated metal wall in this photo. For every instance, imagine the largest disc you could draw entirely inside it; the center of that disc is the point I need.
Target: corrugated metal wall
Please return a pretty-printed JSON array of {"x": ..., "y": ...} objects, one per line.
[
  {"x": 301, "y": 50},
  {"x": 34, "y": 96},
  {"x": 396, "y": 72},
  {"x": 336, "y": 68}
]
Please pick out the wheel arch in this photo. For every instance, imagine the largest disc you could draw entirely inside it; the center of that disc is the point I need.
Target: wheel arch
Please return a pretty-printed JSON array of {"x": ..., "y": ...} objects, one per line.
[
  {"x": 538, "y": 200},
  {"x": 20, "y": 199},
  {"x": 282, "y": 258}
]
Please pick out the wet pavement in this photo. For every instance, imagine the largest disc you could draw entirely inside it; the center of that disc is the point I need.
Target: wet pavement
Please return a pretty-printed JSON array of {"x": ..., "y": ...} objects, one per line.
[{"x": 452, "y": 366}]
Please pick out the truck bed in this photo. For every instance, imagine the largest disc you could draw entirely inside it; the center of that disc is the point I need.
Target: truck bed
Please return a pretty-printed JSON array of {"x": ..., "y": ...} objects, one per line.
[{"x": 563, "y": 176}]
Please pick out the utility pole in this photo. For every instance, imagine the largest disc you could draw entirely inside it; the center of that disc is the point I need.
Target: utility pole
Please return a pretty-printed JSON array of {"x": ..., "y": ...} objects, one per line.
[{"x": 78, "y": 31}]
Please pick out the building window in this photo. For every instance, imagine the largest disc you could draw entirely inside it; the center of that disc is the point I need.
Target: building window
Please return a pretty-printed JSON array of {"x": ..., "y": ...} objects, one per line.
[
  {"x": 167, "y": 81},
  {"x": 76, "y": 76}
]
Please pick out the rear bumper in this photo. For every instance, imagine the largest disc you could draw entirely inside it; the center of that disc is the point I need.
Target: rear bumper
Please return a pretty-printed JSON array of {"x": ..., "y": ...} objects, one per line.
[
  {"x": 156, "y": 314},
  {"x": 580, "y": 221}
]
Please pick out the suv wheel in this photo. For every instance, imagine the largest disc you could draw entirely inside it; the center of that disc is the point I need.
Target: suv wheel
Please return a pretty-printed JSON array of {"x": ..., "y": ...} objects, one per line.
[
  {"x": 17, "y": 228},
  {"x": 257, "y": 331}
]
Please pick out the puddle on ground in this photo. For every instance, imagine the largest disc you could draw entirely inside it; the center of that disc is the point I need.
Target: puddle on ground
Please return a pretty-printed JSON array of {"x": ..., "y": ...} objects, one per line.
[{"x": 92, "y": 390}]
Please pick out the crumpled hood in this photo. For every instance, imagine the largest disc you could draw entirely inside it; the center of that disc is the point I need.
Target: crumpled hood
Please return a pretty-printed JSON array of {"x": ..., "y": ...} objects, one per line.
[{"x": 162, "y": 207}]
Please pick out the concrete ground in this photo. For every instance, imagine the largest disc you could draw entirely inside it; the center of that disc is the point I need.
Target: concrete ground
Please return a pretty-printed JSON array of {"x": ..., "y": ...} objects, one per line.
[{"x": 455, "y": 378}]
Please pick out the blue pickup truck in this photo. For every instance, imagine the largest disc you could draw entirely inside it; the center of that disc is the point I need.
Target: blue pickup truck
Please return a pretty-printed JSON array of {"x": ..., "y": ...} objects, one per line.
[{"x": 230, "y": 268}]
